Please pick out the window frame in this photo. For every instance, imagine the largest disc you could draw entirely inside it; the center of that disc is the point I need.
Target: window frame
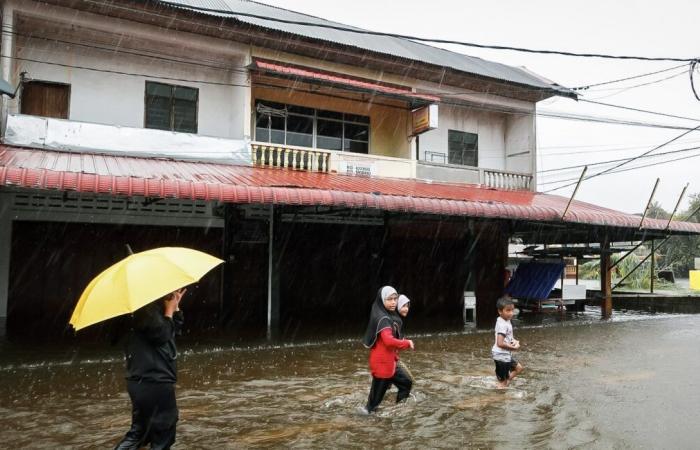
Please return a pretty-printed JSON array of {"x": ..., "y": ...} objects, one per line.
[
  {"x": 50, "y": 83},
  {"x": 172, "y": 107},
  {"x": 476, "y": 149},
  {"x": 315, "y": 117}
]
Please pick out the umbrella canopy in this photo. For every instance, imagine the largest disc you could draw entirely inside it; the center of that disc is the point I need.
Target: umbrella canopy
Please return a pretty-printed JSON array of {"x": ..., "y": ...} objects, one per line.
[{"x": 139, "y": 280}]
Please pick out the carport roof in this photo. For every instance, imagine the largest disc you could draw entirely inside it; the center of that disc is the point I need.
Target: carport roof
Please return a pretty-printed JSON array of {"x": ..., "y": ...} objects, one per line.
[{"x": 166, "y": 178}]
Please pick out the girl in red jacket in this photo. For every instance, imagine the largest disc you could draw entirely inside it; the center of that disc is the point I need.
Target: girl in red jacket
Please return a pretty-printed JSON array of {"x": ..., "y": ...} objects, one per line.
[{"x": 382, "y": 337}]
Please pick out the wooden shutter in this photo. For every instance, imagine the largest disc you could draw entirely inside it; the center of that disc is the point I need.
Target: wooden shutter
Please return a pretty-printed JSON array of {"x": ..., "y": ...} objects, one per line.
[{"x": 45, "y": 99}]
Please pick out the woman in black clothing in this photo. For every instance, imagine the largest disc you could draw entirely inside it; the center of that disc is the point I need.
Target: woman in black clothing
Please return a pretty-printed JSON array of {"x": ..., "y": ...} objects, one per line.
[{"x": 152, "y": 372}]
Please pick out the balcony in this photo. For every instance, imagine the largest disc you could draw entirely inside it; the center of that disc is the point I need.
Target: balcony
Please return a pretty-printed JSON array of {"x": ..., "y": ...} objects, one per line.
[{"x": 317, "y": 160}]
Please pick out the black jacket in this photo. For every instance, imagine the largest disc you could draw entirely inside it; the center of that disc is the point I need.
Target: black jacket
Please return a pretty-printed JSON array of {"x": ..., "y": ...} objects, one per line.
[{"x": 151, "y": 353}]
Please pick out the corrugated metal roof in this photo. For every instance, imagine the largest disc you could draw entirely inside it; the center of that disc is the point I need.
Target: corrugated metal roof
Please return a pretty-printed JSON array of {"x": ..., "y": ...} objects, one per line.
[
  {"x": 392, "y": 46},
  {"x": 150, "y": 177},
  {"x": 337, "y": 79},
  {"x": 534, "y": 280}
]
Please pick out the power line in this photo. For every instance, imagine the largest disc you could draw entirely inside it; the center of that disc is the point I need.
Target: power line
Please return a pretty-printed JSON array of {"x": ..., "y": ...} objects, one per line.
[
  {"x": 588, "y": 86},
  {"x": 117, "y": 72},
  {"x": 628, "y": 108},
  {"x": 608, "y": 120},
  {"x": 617, "y": 171},
  {"x": 126, "y": 50},
  {"x": 649, "y": 83},
  {"x": 415, "y": 38},
  {"x": 625, "y": 162},
  {"x": 560, "y": 169}
]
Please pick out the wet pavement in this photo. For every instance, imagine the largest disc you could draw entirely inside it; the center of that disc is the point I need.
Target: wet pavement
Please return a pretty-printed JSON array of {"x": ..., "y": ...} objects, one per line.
[{"x": 627, "y": 383}]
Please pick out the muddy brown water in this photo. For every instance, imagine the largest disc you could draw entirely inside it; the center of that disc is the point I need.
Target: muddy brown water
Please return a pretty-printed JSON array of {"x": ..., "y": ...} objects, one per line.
[{"x": 627, "y": 383}]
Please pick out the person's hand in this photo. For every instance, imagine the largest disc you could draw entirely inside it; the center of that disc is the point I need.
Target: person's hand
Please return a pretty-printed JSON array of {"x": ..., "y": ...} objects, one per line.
[
  {"x": 516, "y": 344},
  {"x": 172, "y": 303},
  {"x": 410, "y": 343}
]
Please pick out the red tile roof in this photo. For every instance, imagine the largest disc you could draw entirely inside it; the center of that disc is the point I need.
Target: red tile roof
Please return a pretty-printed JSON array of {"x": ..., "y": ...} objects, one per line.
[{"x": 151, "y": 177}]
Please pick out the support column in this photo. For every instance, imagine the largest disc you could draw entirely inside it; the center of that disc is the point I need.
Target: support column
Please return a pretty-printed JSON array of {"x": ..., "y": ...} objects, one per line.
[
  {"x": 651, "y": 272},
  {"x": 605, "y": 279},
  {"x": 491, "y": 258},
  {"x": 7, "y": 64},
  {"x": 5, "y": 244},
  {"x": 273, "y": 275}
]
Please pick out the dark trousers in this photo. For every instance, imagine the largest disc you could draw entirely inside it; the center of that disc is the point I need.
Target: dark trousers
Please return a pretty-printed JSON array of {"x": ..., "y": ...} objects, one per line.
[
  {"x": 154, "y": 415},
  {"x": 401, "y": 379}
]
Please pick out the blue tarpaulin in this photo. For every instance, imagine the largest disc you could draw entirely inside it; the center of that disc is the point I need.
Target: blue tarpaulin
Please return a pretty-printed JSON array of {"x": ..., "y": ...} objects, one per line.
[{"x": 534, "y": 280}]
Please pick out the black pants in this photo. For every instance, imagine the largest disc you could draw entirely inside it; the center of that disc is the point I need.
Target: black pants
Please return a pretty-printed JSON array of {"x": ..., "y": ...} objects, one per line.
[
  {"x": 154, "y": 415},
  {"x": 401, "y": 379}
]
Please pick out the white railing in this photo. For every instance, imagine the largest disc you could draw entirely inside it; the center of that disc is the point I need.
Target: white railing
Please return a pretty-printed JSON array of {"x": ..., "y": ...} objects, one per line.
[
  {"x": 505, "y": 180},
  {"x": 285, "y": 156}
]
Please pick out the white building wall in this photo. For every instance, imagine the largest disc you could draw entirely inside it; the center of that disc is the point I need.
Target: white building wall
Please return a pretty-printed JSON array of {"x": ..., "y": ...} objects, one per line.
[
  {"x": 119, "y": 99},
  {"x": 520, "y": 143},
  {"x": 490, "y": 127}
]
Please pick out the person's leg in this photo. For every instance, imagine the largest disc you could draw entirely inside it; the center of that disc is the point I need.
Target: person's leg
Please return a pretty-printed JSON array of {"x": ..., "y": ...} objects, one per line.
[
  {"x": 403, "y": 380},
  {"x": 502, "y": 369},
  {"x": 376, "y": 392},
  {"x": 163, "y": 421},
  {"x": 135, "y": 437},
  {"x": 515, "y": 370}
]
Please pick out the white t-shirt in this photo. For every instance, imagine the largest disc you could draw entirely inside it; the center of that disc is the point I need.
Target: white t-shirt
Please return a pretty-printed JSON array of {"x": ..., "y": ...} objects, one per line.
[{"x": 505, "y": 328}]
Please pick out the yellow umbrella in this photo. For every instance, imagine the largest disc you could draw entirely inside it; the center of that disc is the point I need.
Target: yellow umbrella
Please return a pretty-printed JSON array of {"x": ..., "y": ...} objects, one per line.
[{"x": 137, "y": 281}]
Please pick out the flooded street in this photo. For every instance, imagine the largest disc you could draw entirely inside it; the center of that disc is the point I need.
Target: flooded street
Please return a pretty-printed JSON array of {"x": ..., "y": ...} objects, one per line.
[{"x": 626, "y": 383}]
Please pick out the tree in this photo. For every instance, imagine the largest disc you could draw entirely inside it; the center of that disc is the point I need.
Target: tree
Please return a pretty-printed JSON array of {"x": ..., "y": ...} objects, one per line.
[{"x": 681, "y": 251}]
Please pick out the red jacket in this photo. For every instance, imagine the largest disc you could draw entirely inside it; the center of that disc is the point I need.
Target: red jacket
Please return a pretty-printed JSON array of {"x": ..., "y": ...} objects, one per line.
[{"x": 385, "y": 353}]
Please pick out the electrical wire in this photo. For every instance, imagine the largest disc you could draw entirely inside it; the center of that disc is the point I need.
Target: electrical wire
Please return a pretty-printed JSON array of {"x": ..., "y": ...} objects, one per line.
[
  {"x": 612, "y": 161},
  {"x": 410, "y": 37},
  {"x": 628, "y": 108},
  {"x": 588, "y": 86},
  {"x": 117, "y": 72},
  {"x": 626, "y": 162},
  {"x": 616, "y": 171}
]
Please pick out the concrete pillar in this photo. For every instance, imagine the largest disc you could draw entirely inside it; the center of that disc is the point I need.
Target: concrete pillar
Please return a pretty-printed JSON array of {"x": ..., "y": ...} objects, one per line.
[
  {"x": 605, "y": 279},
  {"x": 5, "y": 244},
  {"x": 7, "y": 48},
  {"x": 491, "y": 258},
  {"x": 273, "y": 275}
]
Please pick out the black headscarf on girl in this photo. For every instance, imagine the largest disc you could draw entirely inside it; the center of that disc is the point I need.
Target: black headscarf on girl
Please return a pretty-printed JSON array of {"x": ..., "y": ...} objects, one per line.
[{"x": 380, "y": 318}]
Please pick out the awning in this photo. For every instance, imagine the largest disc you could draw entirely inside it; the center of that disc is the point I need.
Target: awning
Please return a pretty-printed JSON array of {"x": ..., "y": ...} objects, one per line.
[
  {"x": 164, "y": 178},
  {"x": 339, "y": 80}
]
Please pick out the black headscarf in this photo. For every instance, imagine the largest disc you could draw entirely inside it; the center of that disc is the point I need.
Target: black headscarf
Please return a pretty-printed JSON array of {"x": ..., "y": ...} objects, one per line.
[{"x": 379, "y": 319}]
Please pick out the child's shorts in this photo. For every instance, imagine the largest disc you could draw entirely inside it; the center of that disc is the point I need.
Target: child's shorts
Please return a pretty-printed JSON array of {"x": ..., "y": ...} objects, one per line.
[{"x": 503, "y": 369}]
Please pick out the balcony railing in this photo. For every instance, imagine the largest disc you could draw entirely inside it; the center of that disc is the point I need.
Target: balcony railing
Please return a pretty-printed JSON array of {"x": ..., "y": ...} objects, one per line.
[
  {"x": 284, "y": 156},
  {"x": 505, "y": 180},
  {"x": 317, "y": 160}
]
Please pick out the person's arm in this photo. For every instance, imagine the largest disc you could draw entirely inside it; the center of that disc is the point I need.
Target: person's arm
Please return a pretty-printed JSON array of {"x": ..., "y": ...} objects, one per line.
[
  {"x": 391, "y": 342},
  {"x": 501, "y": 343},
  {"x": 152, "y": 324}
]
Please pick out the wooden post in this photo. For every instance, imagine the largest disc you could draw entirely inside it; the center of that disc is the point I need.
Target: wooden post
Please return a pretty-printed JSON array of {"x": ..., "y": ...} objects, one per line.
[
  {"x": 605, "y": 279},
  {"x": 651, "y": 272},
  {"x": 273, "y": 277}
]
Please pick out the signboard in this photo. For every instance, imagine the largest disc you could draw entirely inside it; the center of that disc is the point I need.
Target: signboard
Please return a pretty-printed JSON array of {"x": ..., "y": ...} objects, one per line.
[
  {"x": 363, "y": 169},
  {"x": 424, "y": 119}
]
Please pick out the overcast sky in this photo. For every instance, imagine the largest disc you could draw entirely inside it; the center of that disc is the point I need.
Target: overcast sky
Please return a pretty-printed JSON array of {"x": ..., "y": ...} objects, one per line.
[{"x": 640, "y": 28}]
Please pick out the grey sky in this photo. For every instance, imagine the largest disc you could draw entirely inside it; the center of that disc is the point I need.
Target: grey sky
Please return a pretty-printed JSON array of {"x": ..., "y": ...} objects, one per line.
[{"x": 643, "y": 28}]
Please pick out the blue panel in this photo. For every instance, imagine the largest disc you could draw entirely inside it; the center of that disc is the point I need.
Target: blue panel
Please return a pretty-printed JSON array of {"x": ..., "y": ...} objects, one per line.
[{"x": 534, "y": 280}]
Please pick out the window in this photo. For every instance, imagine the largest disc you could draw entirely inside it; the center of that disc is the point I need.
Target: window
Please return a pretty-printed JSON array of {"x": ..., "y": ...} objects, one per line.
[
  {"x": 45, "y": 99},
  {"x": 278, "y": 123},
  {"x": 171, "y": 107},
  {"x": 463, "y": 148}
]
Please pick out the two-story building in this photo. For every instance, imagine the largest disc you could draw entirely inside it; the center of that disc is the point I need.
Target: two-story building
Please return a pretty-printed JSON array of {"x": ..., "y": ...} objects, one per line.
[{"x": 318, "y": 160}]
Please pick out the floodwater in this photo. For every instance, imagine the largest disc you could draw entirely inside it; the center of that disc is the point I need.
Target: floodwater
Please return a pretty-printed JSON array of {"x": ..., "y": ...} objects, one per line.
[{"x": 627, "y": 383}]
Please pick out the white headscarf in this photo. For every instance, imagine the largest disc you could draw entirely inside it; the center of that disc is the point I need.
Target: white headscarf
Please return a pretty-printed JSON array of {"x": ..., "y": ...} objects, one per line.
[
  {"x": 403, "y": 300},
  {"x": 387, "y": 291}
]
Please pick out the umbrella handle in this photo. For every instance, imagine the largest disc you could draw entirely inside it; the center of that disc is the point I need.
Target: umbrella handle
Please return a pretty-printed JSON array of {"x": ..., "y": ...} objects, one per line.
[{"x": 129, "y": 250}]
